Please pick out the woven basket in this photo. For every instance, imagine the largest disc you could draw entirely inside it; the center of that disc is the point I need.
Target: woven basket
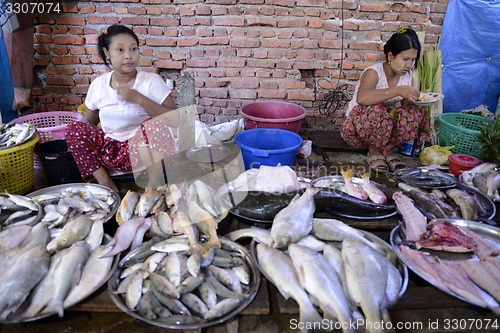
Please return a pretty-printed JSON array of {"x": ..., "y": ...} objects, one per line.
[
  {"x": 49, "y": 126},
  {"x": 17, "y": 168},
  {"x": 461, "y": 130}
]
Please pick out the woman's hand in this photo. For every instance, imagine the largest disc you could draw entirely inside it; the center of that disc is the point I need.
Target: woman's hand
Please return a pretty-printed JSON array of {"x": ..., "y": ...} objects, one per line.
[
  {"x": 409, "y": 93},
  {"x": 129, "y": 95}
]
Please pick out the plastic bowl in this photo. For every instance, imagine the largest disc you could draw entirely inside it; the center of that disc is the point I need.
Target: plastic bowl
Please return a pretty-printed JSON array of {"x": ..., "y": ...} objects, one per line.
[
  {"x": 462, "y": 162},
  {"x": 268, "y": 146},
  {"x": 273, "y": 114}
]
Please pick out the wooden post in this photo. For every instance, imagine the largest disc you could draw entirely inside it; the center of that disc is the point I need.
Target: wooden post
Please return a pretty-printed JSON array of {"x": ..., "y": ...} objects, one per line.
[{"x": 187, "y": 108}]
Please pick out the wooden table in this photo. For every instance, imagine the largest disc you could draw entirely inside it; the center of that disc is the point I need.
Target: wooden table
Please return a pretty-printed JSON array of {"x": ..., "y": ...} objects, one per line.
[{"x": 420, "y": 309}]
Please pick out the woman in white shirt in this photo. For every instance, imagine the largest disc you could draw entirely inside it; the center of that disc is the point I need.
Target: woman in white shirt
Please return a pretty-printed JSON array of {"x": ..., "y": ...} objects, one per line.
[
  {"x": 382, "y": 114},
  {"x": 134, "y": 108}
]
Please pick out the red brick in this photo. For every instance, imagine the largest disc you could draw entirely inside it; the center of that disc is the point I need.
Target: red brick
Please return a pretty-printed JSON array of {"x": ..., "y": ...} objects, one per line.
[
  {"x": 271, "y": 94},
  {"x": 301, "y": 95},
  {"x": 168, "y": 64},
  {"x": 160, "y": 42},
  {"x": 214, "y": 93},
  {"x": 243, "y": 93},
  {"x": 200, "y": 63},
  {"x": 244, "y": 84},
  {"x": 229, "y": 21},
  {"x": 187, "y": 42},
  {"x": 214, "y": 41},
  {"x": 367, "y": 7},
  {"x": 216, "y": 84},
  {"x": 231, "y": 63},
  {"x": 292, "y": 85}
]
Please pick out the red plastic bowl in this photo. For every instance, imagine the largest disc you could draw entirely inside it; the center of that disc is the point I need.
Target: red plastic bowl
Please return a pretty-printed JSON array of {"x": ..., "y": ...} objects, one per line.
[
  {"x": 461, "y": 162},
  {"x": 273, "y": 114}
]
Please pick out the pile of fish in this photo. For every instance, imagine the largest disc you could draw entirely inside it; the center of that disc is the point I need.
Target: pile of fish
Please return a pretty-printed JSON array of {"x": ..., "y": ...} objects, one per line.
[
  {"x": 329, "y": 267},
  {"x": 327, "y": 263},
  {"x": 14, "y": 134},
  {"x": 17, "y": 210},
  {"x": 164, "y": 211},
  {"x": 69, "y": 202},
  {"x": 361, "y": 188},
  {"x": 47, "y": 270},
  {"x": 170, "y": 283},
  {"x": 473, "y": 278},
  {"x": 451, "y": 203},
  {"x": 486, "y": 178}
]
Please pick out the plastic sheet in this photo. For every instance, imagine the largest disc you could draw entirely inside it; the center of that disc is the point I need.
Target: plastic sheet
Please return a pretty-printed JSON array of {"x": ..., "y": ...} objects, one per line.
[{"x": 471, "y": 54}]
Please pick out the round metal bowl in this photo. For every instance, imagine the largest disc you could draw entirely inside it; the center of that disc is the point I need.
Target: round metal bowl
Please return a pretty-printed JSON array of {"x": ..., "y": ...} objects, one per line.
[
  {"x": 17, "y": 317},
  {"x": 38, "y": 213},
  {"x": 378, "y": 242},
  {"x": 60, "y": 189},
  {"x": 207, "y": 154},
  {"x": 250, "y": 291}
]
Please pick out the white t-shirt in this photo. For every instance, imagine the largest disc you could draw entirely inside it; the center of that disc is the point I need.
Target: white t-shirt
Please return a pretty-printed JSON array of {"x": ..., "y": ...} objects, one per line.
[
  {"x": 120, "y": 119},
  {"x": 405, "y": 80}
]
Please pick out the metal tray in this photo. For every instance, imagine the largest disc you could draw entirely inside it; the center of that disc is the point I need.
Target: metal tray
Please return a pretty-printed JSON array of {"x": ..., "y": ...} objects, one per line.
[
  {"x": 335, "y": 182},
  {"x": 426, "y": 178},
  {"x": 250, "y": 292},
  {"x": 31, "y": 134},
  {"x": 207, "y": 153},
  {"x": 18, "y": 319},
  {"x": 403, "y": 270},
  {"x": 39, "y": 213},
  {"x": 60, "y": 189},
  {"x": 487, "y": 231}
]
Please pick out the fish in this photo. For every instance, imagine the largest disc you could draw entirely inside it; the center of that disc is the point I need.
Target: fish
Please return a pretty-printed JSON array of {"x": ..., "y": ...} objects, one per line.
[
  {"x": 492, "y": 185},
  {"x": 260, "y": 235},
  {"x": 124, "y": 236},
  {"x": 10, "y": 238},
  {"x": 331, "y": 199},
  {"x": 23, "y": 201},
  {"x": 19, "y": 279},
  {"x": 374, "y": 193},
  {"x": 429, "y": 203},
  {"x": 366, "y": 276},
  {"x": 294, "y": 222},
  {"x": 94, "y": 273},
  {"x": 195, "y": 304},
  {"x": 446, "y": 236},
  {"x": 67, "y": 274},
  {"x": 140, "y": 232},
  {"x": 466, "y": 202},
  {"x": 205, "y": 223},
  {"x": 320, "y": 280},
  {"x": 278, "y": 267},
  {"x": 96, "y": 235},
  {"x": 223, "y": 307},
  {"x": 146, "y": 202},
  {"x": 468, "y": 175},
  {"x": 350, "y": 188},
  {"x": 415, "y": 223},
  {"x": 261, "y": 206},
  {"x": 127, "y": 206},
  {"x": 72, "y": 232}
]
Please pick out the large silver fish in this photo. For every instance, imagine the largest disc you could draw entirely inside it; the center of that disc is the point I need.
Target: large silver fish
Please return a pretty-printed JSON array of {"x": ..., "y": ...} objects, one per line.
[
  {"x": 320, "y": 280},
  {"x": 68, "y": 274},
  {"x": 72, "y": 232},
  {"x": 127, "y": 206},
  {"x": 294, "y": 222},
  {"x": 279, "y": 268},
  {"x": 21, "y": 277},
  {"x": 94, "y": 273},
  {"x": 366, "y": 276}
]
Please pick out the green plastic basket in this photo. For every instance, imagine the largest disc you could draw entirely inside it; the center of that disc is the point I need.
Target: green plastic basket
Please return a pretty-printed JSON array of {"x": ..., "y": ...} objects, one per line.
[{"x": 461, "y": 130}]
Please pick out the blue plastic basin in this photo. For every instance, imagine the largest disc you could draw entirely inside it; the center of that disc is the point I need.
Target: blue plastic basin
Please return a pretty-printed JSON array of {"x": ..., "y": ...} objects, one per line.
[{"x": 268, "y": 146}]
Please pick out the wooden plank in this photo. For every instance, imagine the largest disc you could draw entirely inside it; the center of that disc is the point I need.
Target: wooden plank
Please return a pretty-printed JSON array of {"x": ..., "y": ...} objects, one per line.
[{"x": 261, "y": 304}]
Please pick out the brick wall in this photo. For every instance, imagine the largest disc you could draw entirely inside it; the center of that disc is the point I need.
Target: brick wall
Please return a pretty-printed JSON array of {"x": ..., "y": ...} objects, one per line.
[{"x": 238, "y": 51}]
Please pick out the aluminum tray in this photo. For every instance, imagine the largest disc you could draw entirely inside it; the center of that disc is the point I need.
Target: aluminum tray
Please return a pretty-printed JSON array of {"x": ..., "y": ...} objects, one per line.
[
  {"x": 390, "y": 255},
  {"x": 59, "y": 189},
  {"x": 17, "y": 317},
  {"x": 337, "y": 181},
  {"x": 487, "y": 231},
  {"x": 251, "y": 291}
]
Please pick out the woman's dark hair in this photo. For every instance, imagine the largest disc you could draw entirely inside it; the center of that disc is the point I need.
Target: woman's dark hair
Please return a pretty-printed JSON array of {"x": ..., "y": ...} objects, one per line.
[
  {"x": 105, "y": 38},
  {"x": 403, "y": 40}
]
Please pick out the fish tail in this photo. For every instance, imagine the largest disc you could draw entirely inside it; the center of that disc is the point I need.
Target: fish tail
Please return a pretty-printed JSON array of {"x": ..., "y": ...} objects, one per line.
[
  {"x": 365, "y": 175},
  {"x": 308, "y": 314}
]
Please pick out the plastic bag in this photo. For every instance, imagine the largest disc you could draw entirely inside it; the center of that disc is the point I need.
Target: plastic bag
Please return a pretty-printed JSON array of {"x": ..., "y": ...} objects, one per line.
[{"x": 435, "y": 155}]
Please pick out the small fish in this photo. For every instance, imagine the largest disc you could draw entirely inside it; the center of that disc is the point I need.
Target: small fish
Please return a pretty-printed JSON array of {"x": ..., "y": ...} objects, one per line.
[
  {"x": 374, "y": 193},
  {"x": 352, "y": 189},
  {"x": 127, "y": 206}
]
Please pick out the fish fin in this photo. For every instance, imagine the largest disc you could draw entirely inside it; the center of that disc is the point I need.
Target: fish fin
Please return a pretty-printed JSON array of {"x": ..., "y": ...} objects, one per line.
[{"x": 365, "y": 175}]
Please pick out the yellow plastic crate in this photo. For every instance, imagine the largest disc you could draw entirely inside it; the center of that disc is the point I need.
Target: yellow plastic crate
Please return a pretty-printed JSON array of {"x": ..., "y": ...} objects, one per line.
[{"x": 16, "y": 167}]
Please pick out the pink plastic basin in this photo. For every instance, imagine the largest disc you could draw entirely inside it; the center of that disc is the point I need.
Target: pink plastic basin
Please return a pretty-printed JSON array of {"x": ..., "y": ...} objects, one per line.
[{"x": 273, "y": 114}]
